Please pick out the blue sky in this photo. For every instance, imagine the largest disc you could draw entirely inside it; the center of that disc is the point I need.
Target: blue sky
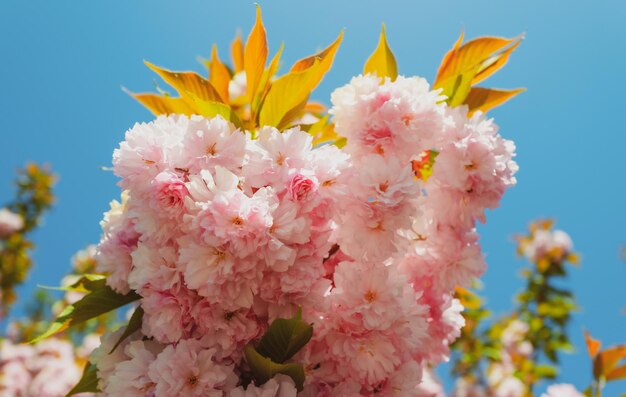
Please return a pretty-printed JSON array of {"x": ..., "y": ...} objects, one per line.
[{"x": 63, "y": 63}]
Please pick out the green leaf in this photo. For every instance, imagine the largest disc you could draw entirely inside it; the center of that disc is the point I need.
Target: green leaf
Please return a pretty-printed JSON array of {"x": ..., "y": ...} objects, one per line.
[
  {"x": 284, "y": 338},
  {"x": 97, "y": 302},
  {"x": 88, "y": 382},
  {"x": 264, "y": 368},
  {"x": 546, "y": 371},
  {"x": 134, "y": 324}
]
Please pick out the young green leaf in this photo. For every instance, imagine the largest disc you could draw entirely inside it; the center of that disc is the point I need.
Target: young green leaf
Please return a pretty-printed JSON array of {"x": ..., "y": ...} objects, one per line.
[
  {"x": 88, "y": 383},
  {"x": 263, "y": 368},
  {"x": 97, "y": 302},
  {"x": 284, "y": 338},
  {"x": 134, "y": 325}
]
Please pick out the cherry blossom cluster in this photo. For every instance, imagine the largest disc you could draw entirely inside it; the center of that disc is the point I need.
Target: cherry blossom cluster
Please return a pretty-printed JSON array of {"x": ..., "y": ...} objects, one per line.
[
  {"x": 545, "y": 244},
  {"x": 221, "y": 231},
  {"x": 501, "y": 375},
  {"x": 48, "y": 369}
]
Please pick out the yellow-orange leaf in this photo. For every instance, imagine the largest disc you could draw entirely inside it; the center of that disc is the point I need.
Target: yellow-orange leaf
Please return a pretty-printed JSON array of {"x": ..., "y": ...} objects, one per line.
[
  {"x": 219, "y": 76},
  {"x": 468, "y": 299},
  {"x": 287, "y": 93},
  {"x": 265, "y": 84},
  {"x": 212, "y": 109},
  {"x": 610, "y": 357},
  {"x": 484, "y": 99},
  {"x": 481, "y": 52},
  {"x": 467, "y": 64},
  {"x": 497, "y": 62},
  {"x": 236, "y": 53},
  {"x": 315, "y": 108},
  {"x": 255, "y": 56},
  {"x": 325, "y": 57},
  {"x": 322, "y": 132},
  {"x": 617, "y": 373},
  {"x": 449, "y": 56},
  {"x": 593, "y": 345},
  {"x": 160, "y": 104},
  {"x": 382, "y": 62},
  {"x": 190, "y": 85}
]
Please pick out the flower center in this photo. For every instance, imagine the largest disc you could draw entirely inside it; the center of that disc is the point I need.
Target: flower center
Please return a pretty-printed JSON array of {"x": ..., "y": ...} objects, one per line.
[
  {"x": 471, "y": 166},
  {"x": 211, "y": 150},
  {"x": 370, "y": 296}
]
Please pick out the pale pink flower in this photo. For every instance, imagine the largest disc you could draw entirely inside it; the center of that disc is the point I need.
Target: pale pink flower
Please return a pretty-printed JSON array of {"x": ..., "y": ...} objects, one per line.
[
  {"x": 227, "y": 330},
  {"x": 213, "y": 142},
  {"x": 155, "y": 266},
  {"x": 149, "y": 149},
  {"x": 274, "y": 154},
  {"x": 168, "y": 195},
  {"x": 397, "y": 119},
  {"x": 430, "y": 385},
  {"x": 234, "y": 219},
  {"x": 185, "y": 369},
  {"x": 105, "y": 359},
  {"x": 368, "y": 360},
  {"x": 119, "y": 239},
  {"x": 556, "y": 242},
  {"x": 130, "y": 377},
  {"x": 562, "y": 390},
  {"x": 237, "y": 85},
  {"x": 374, "y": 297},
  {"x": 10, "y": 222},
  {"x": 278, "y": 386},
  {"x": 167, "y": 313},
  {"x": 301, "y": 188}
]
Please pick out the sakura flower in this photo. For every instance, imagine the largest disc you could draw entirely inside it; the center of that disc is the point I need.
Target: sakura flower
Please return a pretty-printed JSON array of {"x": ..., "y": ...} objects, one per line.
[
  {"x": 119, "y": 239},
  {"x": 167, "y": 314},
  {"x": 274, "y": 154},
  {"x": 168, "y": 195},
  {"x": 213, "y": 142},
  {"x": 278, "y": 386},
  {"x": 185, "y": 369},
  {"x": 130, "y": 377},
  {"x": 105, "y": 358},
  {"x": 562, "y": 390},
  {"x": 396, "y": 119},
  {"x": 10, "y": 222},
  {"x": 154, "y": 266}
]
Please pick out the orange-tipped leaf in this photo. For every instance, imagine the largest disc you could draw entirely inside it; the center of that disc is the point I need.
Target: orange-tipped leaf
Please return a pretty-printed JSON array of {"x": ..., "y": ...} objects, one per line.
[
  {"x": 219, "y": 76},
  {"x": 255, "y": 56},
  {"x": 484, "y": 99}
]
